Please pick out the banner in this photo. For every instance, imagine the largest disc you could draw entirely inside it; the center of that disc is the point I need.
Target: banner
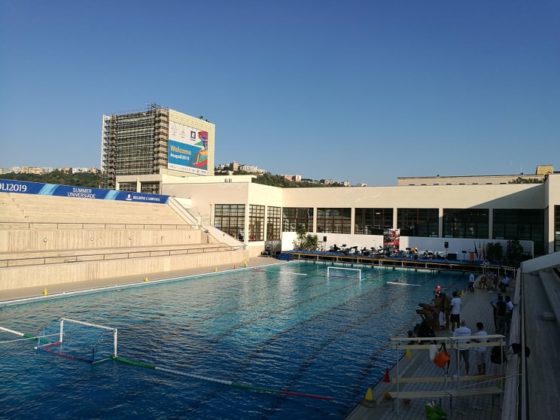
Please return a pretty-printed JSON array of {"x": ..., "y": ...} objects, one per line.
[
  {"x": 392, "y": 238},
  {"x": 187, "y": 149},
  {"x": 25, "y": 187}
]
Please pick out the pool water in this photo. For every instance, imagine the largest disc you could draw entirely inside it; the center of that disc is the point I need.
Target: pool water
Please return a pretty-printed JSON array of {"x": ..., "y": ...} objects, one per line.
[{"x": 281, "y": 327}]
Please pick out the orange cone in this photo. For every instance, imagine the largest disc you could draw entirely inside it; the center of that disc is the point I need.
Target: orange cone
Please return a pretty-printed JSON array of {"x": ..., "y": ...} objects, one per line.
[{"x": 386, "y": 377}]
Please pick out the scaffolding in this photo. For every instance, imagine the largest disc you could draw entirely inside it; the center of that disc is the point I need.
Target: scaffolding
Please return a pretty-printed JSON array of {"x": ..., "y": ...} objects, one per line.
[{"x": 134, "y": 144}]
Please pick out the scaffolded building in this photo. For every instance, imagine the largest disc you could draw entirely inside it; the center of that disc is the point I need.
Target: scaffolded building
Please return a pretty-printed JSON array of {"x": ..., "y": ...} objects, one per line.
[{"x": 138, "y": 143}]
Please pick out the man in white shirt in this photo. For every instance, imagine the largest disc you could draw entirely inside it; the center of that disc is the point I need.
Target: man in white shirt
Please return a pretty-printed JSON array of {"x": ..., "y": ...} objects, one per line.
[
  {"x": 471, "y": 282},
  {"x": 462, "y": 331},
  {"x": 480, "y": 352},
  {"x": 455, "y": 311}
]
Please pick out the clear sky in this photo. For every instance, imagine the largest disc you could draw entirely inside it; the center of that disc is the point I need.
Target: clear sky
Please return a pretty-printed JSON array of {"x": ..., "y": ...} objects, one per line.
[{"x": 363, "y": 91}]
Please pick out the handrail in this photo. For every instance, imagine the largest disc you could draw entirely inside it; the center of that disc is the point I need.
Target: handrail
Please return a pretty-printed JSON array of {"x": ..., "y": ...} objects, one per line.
[
  {"x": 182, "y": 212},
  {"x": 21, "y": 262},
  {"x": 82, "y": 225}
]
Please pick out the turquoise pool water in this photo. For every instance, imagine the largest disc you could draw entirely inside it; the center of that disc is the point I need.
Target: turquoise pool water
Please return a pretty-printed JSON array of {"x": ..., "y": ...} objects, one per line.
[{"x": 282, "y": 327}]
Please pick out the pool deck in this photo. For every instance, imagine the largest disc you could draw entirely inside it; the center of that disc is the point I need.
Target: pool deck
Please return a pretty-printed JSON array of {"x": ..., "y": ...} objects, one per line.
[
  {"x": 64, "y": 288},
  {"x": 475, "y": 307}
]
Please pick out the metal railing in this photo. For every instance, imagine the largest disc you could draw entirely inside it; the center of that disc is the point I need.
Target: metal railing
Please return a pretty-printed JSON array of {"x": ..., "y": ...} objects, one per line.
[
  {"x": 22, "y": 262},
  {"x": 92, "y": 225}
]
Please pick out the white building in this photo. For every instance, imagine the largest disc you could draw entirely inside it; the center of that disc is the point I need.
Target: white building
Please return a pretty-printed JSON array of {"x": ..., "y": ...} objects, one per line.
[{"x": 464, "y": 216}]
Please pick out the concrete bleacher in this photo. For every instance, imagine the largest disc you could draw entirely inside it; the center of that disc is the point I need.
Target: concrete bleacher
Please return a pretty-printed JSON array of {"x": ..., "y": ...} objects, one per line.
[
  {"x": 48, "y": 209},
  {"x": 45, "y": 239}
]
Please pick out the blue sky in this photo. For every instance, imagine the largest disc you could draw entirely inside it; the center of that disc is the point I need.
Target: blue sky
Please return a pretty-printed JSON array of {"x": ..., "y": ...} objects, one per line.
[{"x": 351, "y": 90}]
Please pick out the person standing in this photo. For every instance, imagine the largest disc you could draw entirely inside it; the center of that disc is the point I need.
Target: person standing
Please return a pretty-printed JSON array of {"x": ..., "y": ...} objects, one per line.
[
  {"x": 455, "y": 311},
  {"x": 471, "y": 282},
  {"x": 500, "y": 315},
  {"x": 480, "y": 352},
  {"x": 462, "y": 352}
]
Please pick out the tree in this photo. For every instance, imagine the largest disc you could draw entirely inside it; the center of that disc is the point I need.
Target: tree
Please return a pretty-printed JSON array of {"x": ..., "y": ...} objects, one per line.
[
  {"x": 305, "y": 241},
  {"x": 514, "y": 253},
  {"x": 494, "y": 252}
]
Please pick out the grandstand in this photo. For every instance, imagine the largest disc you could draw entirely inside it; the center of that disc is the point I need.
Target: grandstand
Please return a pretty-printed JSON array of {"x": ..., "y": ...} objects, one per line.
[{"x": 49, "y": 240}]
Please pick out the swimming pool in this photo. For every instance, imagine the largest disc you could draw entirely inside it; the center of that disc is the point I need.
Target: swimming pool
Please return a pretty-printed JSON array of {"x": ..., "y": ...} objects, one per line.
[{"x": 280, "y": 327}]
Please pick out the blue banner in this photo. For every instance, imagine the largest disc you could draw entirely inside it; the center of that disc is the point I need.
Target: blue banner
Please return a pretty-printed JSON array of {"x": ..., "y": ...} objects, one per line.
[{"x": 25, "y": 187}]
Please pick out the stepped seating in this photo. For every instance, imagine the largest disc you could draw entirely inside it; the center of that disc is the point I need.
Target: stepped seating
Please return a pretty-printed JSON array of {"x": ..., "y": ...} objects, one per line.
[
  {"x": 48, "y": 209},
  {"x": 35, "y": 227},
  {"x": 105, "y": 254},
  {"x": 49, "y": 240}
]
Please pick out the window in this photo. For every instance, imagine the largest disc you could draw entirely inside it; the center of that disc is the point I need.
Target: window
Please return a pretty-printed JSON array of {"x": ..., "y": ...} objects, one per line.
[
  {"x": 333, "y": 220},
  {"x": 230, "y": 218},
  {"x": 373, "y": 221},
  {"x": 149, "y": 187},
  {"x": 127, "y": 186},
  {"x": 418, "y": 222},
  {"x": 273, "y": 223},
  {"x": 465, "y": 223},
  {"x": 525, "y": 224},
  {"x": 256, "y": 223},
  {"x": 296, "y": 216}
]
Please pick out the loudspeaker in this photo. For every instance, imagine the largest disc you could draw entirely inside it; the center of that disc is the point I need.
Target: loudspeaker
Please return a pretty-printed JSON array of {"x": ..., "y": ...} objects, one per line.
[
  {"x": 324, "y": 239},
  {"x": 446, "y": 244}
]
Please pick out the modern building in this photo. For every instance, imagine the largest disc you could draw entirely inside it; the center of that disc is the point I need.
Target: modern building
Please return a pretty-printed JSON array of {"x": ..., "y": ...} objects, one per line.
[
  {"x": 459, "y": 218},
  {"x": 154, "y": 142}
]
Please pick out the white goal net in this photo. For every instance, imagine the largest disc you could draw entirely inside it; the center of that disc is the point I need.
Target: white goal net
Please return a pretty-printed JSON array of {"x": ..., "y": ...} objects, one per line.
[
  {"x": 343, "y": 272},
  {"x": 79, "y": 340}
]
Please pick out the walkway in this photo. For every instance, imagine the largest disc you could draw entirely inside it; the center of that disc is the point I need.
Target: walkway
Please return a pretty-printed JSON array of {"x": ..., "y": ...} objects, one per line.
[{"x": 476, "y": 307}]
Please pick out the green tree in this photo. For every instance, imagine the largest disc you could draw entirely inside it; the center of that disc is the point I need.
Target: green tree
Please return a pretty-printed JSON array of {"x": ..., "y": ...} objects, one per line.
[
  {"x": 494, "y": 252},
  {"x": 59, "y": 177},
  {"x": 311, "y": 243},
  {"x": 514, "y": 253},
  {"x": 299, "y": 242}
]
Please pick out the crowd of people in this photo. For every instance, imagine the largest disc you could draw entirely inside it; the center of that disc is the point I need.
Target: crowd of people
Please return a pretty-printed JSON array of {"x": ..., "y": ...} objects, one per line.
[{"x": 443, "y": 313}]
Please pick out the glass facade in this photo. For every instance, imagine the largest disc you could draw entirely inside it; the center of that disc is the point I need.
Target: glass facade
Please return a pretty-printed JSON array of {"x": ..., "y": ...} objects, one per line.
[
  {"x": 466, "y": 223},
  {"x": 256, "y": 223},
  {"x": 273, "y": 223},
  {"x": 520, "y": 224},
  {"x": 334, "y": 220},
  {"x": 373, "y": 221},
  {"x": 230, "y": 218},
  {"x": 296, "y": 216},
  {"x": 418, "y": 222}
]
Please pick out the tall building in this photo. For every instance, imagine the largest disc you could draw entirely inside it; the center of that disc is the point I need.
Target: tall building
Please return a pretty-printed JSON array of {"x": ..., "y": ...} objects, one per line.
[{"x": 155, "y": 141}]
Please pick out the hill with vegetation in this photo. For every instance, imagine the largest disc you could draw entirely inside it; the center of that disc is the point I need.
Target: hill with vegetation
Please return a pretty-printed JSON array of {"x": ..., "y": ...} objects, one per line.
[{"x": 58, "y": 177}]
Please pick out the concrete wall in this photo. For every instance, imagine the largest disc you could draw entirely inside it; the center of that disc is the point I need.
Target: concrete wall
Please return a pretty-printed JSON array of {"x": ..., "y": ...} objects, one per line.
[
  {"x": 541, "y": 263},
  {"x": 553, "y": 195},
  {"x": 520, "y": 196},
  {"x": 45, "y": 275}
]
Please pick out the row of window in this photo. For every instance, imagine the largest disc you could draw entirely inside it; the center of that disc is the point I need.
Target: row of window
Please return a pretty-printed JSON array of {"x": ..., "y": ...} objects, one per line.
[{"x": 527, "y": 224}]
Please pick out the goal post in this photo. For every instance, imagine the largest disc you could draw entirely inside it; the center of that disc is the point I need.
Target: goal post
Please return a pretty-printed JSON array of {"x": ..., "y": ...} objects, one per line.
[
  {"x": 344, "y": 272},
  {"x": 73, "y": 339}
]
